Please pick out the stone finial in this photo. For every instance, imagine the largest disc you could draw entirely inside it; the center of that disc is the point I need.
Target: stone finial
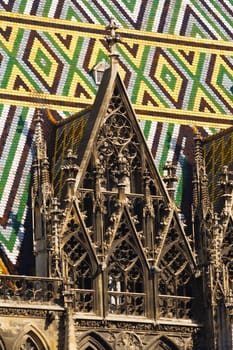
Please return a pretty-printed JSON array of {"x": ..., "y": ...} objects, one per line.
[
  {"x": 226, "y": 184},
  {"x": 71, "y": 170},
  {"x": 113, "y": 38},
  {"x": 70, "y": 167},
  {"x": 170, "y": 178}
]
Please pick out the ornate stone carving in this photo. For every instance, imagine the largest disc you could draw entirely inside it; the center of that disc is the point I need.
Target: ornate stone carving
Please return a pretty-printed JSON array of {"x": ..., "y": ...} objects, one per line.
[
  {"x": 125, "y": 275},
  {"x": 78, "y": 267},
  {"x": 11, "y": 311},
  {"x": 106, "y": 324},
  {"x": 29, "y": 344},
  {"x": 175, "y": 300},
  {"x": 176, "y": 329},
  {"x": 35, "y": 290},
  {"x": 128, "y": 341},
  {"x": 118, "y": 149}
]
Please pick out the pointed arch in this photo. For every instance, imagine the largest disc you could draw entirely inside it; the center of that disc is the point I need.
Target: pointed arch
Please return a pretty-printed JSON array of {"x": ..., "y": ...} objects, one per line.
[
  {"x": 163, "y": 343},
  {"x": 127, "y": 270},
  {"x": 31, "y": 338},
  {"x": 78, "y": 252},
  {"x": 80, "y": 260},
  {"x": 176, "y": 275},
  {"x": 118, "y": 149},
  {"x": 93, "y": 341},
  {"x": 175, "y": 261}
]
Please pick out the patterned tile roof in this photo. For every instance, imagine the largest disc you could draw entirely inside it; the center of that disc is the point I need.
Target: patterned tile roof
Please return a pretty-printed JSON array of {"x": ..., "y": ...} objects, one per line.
[
  {"x": 68, "y": 135},
  {"x": 218, "y": 153},
  {"x": 176, "y": 62}
]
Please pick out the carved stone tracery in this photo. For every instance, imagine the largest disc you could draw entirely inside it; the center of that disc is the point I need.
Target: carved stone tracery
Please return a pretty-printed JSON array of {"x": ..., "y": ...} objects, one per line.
[
  {"x": 29, "y": 344},
  {"x": 31, "y": 341},
  {"x": 128, "y": 341},
  {"x": 175, "y": 300},
  {"x": 125, "y": 275},
  {"x": 78, "y": 266},
  {"x": 118, "y": 151},
  {"x": 175, "y": 269}
]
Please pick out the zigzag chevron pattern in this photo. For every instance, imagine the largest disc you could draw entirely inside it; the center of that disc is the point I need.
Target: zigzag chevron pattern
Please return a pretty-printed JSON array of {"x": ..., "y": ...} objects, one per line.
[
  {"x": 200, "y": 18},
  {"x": 176, "y": 62},
  {"x": 163, "y": 81}
]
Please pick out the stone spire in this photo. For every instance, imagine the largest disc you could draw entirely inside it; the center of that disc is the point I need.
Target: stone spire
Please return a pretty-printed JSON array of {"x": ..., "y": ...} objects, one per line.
[
  {"x": 200, "y": 180},
  {"x": 40, "y": 164},
  {"x": 41, "y": 200},
  {"x": 39, "y": 137}
]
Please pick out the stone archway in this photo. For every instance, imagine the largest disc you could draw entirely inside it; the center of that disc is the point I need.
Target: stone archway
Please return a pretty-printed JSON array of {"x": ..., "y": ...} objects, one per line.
[
  {"x": 163, "y": 343},
  {"x": 31, "y": 339},
  {"x": 93, "y": 341}
]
